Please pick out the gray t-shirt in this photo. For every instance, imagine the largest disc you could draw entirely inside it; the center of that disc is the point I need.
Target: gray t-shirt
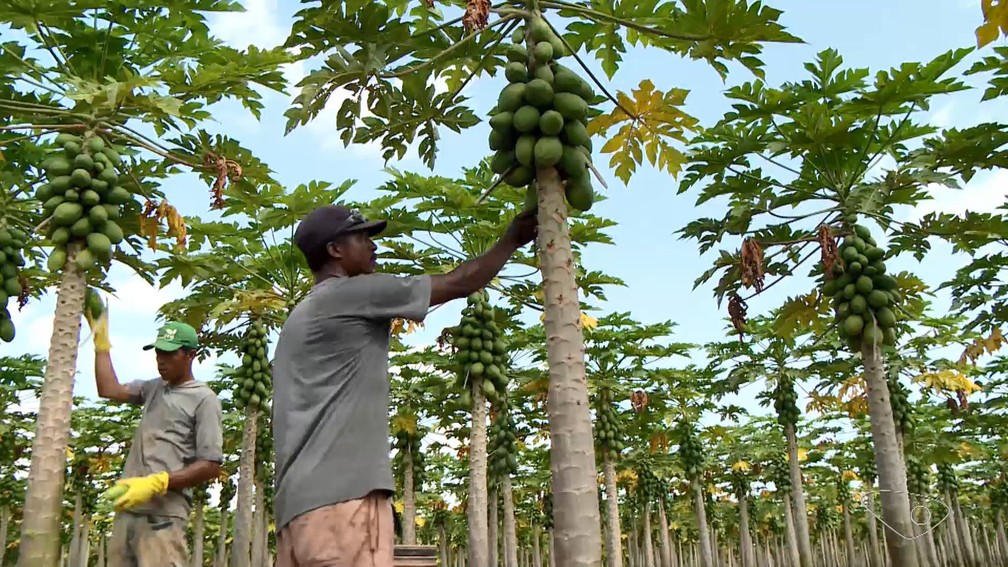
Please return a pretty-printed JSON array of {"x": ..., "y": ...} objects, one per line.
[
  {"x": 331, "y": 390},
  {"x": 180, "y": 425}
]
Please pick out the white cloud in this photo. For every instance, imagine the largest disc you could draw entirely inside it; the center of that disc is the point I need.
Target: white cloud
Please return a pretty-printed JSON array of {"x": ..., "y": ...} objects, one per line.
[
  {"x": 258, "y": 25},
  {"x": 984, "y": 193}
]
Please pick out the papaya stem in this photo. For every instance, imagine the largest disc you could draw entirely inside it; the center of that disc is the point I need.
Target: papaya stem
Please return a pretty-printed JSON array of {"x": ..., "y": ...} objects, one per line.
[
  {"x": 598, "y": 175},
  {"x": 495, "y": 185},
  {"x": 595, "y": 79},
  {"x": 125, "y": 133},
  {"x": 442, "y": 54},
  {"x": 486, "y": 54},
  {"x": 596, "y": 15}
]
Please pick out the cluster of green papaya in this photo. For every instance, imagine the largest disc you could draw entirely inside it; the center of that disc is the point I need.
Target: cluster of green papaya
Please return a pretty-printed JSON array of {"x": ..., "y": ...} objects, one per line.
[
  {"x": 865, "y": 298},
  {"x": 480, "y": 351},
  {"x": 502, "y": 449},
  {"x": 843, "y": 493},
  {"x": 779, "y": 473},
  {"x": 786, "y": 402},
  {"x": 690, "y": 452},
  {"x": 917, "y": 476},
  {"x": 83, "y": 199},
  {"x": 826, "y": 516},
  {"x": 254, "y": 377},
  {"x": 899, "y": 401},
  {"x": 406, "y": 442},
  {"x": 998, "y": 491},
  {"x": 947, "y": 479},
  {"x": 541, "y": 117},
  {"x": 12, "y": 241},
  {"x": 648, "y": 485},
  {"x": 547, "y": 509},
  {"x": 608, "y": 430}
]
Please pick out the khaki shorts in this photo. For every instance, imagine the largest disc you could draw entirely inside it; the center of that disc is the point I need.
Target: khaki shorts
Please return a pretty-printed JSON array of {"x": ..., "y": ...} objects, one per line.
[
  {"x": 356, "y": 533},
  {"x": 148, "y": 541}
]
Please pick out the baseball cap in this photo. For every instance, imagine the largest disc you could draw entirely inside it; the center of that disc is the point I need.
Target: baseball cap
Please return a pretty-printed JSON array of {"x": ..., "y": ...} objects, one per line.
[
  {"x": 322, "y": 225},
  {"x": 173, "y": 336}
]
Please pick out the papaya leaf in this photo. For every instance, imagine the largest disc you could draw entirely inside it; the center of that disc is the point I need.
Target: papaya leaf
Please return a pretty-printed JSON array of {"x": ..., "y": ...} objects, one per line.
[{"x": 645, "y": 121}]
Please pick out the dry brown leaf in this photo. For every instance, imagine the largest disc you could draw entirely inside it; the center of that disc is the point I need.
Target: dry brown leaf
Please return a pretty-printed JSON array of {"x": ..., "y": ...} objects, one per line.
[
  {"x": 227, "y": 170},
  {"x": 737, "y": 311},
  {"x": 476, "y": 16},
  {"x": 829, "y": 254},
  {"x": 752, "y": 264},
  {"x": 639, "y": 400},
  {"x": 150, "y": 220}
]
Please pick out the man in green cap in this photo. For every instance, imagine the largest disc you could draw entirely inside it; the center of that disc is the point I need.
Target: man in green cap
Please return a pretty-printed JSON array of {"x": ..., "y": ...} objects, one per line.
[{"x": 178, "y": 445}]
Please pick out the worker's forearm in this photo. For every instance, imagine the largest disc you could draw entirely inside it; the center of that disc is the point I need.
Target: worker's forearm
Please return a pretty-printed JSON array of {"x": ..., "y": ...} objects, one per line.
[
  {"x": 471, "y": 275},
  {"x": 195, "y": 474},
  {"x": 106, "y": 380}
]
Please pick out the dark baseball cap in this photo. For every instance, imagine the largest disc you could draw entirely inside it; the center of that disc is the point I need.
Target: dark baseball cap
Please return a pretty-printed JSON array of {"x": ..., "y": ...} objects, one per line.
[{"x": 324, "y": 224}]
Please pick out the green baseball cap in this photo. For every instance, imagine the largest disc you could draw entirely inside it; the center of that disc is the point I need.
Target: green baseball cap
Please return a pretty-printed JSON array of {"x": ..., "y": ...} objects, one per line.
[{"x": 173, "y": 336}]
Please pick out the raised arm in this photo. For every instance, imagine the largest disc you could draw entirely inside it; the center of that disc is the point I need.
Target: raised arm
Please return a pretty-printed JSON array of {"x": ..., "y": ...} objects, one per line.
[
  {"x": 473, "y": 275},
  {"x": 106, "y": 380}
]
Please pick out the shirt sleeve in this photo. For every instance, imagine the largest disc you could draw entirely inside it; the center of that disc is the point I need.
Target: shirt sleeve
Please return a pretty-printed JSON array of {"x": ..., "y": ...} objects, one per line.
[
  {"x": 209, "y": 430},
  {"x": 396, "y": 297},
  {"x": 141, "y": 390}
]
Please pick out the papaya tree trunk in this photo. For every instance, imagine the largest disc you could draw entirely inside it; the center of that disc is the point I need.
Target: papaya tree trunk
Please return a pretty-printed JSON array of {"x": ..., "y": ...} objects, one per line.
[
  {"x": 746, "y": 558},
  {"x": 798, "y": 499},
  {"x": 614, "y": 546},
  {"x": 703, "y": 530},
  {"x": 794, "y": 555},
  {"x": 848, "y": 536},
  {"x": 76, "y": 526},
  {"x": 40, "y": 523},
  {"x": 241, "y": 547},
  {"x": 663, "y": 535},
  {"x": 1002, "y": 539},
  {"x": 648, "y": 542},
  {"x": 492, "y": 522},
  {"x": 258, "y": 515},
  {"x": 409, "y": 499},
  {"x": 536, "y": 546},
  {"x": 479, "y": 538},
  {"x": 443, "y": 545},
  {"x": 4, "y": 526},
  {"x": 510, "y": 527},
  {"x": 101, "y": 552},
  {"x": 199, "y": 527},
  {"x": 889, "y": 462},
  {"x": 84, "y": 552},
  {"x": 221, "y": 559},
  {"x": 874, "y": 558},
  {"x": 577, "y": 531}
]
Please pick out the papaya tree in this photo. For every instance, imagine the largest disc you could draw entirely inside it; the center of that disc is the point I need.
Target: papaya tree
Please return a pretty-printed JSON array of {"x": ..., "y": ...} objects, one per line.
[
  {"x": 548, "y": 104},
  {"x": 100, "y": 111},
  {"x": 799, "y": 163}
]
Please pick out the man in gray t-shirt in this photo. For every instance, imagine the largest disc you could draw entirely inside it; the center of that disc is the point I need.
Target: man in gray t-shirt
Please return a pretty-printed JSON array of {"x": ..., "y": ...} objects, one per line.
[
  {"x": 178, "y": 445},
  {"x": 331, "y": 387}
]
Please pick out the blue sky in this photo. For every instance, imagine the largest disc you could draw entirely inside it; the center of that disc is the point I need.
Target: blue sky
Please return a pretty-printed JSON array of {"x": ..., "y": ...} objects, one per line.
[{"x": 658, "y": 268}]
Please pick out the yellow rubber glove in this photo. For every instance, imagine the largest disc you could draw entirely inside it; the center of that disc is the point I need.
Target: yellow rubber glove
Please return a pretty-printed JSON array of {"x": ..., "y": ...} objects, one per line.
[
  {"x": 138, "y": 490},
  {"x": 99, "y": 329}
]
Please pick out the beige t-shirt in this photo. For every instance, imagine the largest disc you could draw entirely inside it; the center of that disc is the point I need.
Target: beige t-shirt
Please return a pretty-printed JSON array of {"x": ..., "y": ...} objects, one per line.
[{"x": 180, "y": 425}]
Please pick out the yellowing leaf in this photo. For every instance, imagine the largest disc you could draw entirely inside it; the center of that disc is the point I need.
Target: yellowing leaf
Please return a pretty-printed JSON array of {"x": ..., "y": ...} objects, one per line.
[
  {"x": 645, "y": 123},
  {"x": 799, "y": 315},
  {"x": 406, "y": 423},
  {"x": 850, "y": 475},
  {"x": 399, "y": 506},
  {"x": 741, "y": 467},
  {"x": 948, "y": 380},
  {"x": 995, "y": 19}
]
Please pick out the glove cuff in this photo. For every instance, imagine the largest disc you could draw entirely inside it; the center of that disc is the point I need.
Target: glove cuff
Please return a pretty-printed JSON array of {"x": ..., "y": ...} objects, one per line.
[{"x": 161, "y": 482}]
